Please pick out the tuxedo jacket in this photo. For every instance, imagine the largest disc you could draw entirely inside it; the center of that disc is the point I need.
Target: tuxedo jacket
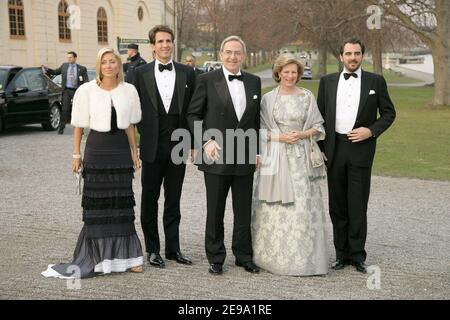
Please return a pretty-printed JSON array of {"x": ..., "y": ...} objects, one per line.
[
  {"x": 212, "y": 104},
  {"x": 82, "y": 76},
  {"x": 198, "y": 71},
  {"x": 375, "y": 112},
  {"x": 145, "y": 83}
]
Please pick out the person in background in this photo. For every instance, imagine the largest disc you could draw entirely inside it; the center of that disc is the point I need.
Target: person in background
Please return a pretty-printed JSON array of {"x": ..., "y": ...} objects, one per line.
[
  {"x": 134, "y": 61},
  {"x": 190, "y": 61},
  {"x": 73, "y": 75}
]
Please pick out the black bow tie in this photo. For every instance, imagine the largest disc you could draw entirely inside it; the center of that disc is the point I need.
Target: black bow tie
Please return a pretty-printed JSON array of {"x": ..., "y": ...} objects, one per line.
[
  {"x": 163, "y": 67},
  {"x": 348, "y": 75},
  {"x": 231, "y": 77}
]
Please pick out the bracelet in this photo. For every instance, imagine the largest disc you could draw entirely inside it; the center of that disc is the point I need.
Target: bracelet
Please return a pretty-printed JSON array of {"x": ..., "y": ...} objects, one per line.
[{"x": 76, "y": 156}]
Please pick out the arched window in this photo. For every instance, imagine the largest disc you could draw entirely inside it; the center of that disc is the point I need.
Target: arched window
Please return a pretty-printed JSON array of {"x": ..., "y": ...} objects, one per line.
[
  {"x": 16, "y": 19},
  {"x": 63, "y": 17},
  {"x": 102, "y": 26}
]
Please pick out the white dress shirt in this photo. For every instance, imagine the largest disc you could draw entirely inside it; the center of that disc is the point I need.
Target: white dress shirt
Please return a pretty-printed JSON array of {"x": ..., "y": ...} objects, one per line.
[
  {"x": 347, "y": 102},
  {"x": 237, "y": 92},
  {"x": 165, "y": 81}
]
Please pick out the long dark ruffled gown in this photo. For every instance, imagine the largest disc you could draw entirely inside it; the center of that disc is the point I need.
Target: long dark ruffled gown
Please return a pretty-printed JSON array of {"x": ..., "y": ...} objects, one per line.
[{"x": 108, "y": 241}]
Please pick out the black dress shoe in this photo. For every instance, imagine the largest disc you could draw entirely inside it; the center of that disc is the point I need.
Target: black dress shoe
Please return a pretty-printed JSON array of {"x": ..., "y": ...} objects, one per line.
[
  {"x": 178, "y": 257},
  {"x": 360, "y": 266},
  {"x": 340, "y": 264},
  {"x": 155, "y": 260},
  {"x": 215, "y": 268},
  {"x": 60, "y": 131},
  {"x": 248, "y": 266}
]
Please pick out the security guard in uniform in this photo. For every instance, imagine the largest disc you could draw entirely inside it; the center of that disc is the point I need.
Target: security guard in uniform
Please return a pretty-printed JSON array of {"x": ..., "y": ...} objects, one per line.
[{"x": 135, "y": 61}]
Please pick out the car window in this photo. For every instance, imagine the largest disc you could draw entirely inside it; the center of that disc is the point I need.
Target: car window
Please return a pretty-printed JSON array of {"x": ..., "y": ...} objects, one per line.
[
  {"x": 35, "y": 80},
  {"x": 57, "y": 79},
  {"x": 3, "y": 78},
  {"x": 91, "y": 74},
  {"x": 31, "y": 79},
  {"x": 20, "y": 82}
]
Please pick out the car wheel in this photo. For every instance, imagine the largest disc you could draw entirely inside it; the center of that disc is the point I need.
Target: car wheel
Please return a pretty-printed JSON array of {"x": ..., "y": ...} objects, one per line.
[{"x": 54, "y": 118}]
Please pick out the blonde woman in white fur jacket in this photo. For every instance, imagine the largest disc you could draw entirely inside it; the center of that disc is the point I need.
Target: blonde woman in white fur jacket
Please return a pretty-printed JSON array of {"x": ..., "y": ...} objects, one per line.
[{"x": 109, "y": 107}]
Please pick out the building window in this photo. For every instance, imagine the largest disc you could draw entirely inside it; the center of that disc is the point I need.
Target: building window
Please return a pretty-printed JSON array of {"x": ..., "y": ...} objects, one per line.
[
  {"x": 16, "y": 19},
  {"x": 102, "y": 26},
  {"x": 63, "y": 18},
  {"x": 140, "y": 13}
]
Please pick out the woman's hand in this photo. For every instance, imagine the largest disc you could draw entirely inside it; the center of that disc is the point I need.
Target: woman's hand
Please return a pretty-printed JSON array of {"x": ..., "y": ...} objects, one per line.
[
  {"x": 76, "y": 165},
  {"x": 291, "y": 137},
  {"x": 136, "y": 160}
]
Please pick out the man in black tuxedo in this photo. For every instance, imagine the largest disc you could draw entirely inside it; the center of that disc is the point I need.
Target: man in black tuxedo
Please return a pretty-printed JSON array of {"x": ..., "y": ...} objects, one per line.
[
  {"x": 165, "y": 89},
  {"x": 227, "y": 100},
  {"x": 73, "y": 75},
  {"x": 190, "y": 61},
  {"x": 350, "y": 102}
]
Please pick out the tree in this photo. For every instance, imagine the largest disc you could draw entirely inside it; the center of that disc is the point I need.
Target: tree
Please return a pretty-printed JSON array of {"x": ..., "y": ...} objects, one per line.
[
  {"x": 187, "y": 16},
  {"x": 325, "y": 24},
  {"x": 216, "y": 13},
  {"x": 430, "y": 21}
]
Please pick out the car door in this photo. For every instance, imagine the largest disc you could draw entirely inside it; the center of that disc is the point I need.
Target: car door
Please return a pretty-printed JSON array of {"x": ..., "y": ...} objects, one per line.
[{"x": 27, "y": 97}]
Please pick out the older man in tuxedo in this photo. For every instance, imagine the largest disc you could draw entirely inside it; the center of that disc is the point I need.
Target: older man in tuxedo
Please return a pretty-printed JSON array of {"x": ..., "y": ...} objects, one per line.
[
  {"x": 350, "y": 102},
  {"x": 227, "y": 102}
]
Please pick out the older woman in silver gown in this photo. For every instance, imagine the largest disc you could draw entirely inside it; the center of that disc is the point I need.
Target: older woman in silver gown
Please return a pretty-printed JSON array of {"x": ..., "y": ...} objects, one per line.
[{"x": 288, "y": 221}]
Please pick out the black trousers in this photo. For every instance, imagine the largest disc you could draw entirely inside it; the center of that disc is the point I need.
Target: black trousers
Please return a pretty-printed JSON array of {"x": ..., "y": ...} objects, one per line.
[
  {"x": 348, "y": 191},
  {"x": 162, "y": 171},
  {"x": 217, "y": 187},
  {"x": 66, "y": 106}
]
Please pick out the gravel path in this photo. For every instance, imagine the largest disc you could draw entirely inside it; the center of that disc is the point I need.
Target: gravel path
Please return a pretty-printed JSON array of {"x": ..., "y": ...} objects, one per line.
[{"x": 40, "y": 218}]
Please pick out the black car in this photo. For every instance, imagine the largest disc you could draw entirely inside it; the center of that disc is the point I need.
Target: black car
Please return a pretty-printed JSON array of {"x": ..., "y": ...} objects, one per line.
[
  {"x": 27, "y": 96},
  {"x": 58, "y": 79}
]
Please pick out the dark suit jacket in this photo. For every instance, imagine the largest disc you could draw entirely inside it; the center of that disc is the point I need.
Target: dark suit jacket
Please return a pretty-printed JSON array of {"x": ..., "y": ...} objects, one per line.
[
  {"x": 129, "y": 67},
  {"x": 198, "y": 71},
  {"x": 369, "y": 107},
  {"x": 212, "y": 103},
  {"x": 62, "y": 70},
  {"x": 145, "y": 83}
]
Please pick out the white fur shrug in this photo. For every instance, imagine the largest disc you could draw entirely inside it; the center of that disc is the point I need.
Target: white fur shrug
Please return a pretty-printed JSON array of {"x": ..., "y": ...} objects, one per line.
[{"x": 91, "y": 107}]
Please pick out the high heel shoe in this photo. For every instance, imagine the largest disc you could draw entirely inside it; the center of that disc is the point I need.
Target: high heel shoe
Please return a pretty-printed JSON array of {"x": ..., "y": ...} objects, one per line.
[{"x": 137, "y": 269}]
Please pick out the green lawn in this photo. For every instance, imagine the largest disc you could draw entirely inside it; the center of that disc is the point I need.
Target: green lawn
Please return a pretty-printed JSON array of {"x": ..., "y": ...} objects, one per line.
[{"x": 417, "y": 145}]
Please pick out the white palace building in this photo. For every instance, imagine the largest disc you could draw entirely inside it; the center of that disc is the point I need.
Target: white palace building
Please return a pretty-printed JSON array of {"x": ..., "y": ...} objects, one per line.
[{"x": 35, "y": 32}]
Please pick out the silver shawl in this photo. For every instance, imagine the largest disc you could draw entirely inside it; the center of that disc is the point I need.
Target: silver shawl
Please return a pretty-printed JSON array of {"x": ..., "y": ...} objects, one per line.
[{"x": 273, "y": 181}]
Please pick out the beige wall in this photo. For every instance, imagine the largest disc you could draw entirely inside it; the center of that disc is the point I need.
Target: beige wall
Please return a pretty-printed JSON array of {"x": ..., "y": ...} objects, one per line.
[{"x": 42, "y": 44}]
